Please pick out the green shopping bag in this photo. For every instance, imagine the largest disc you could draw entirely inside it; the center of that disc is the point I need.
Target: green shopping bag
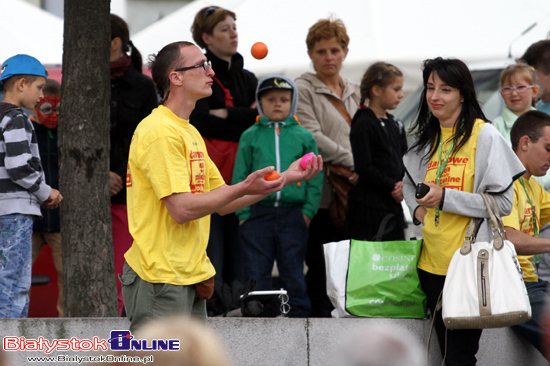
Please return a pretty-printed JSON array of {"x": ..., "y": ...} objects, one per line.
[{"x": 382, "y": 279}]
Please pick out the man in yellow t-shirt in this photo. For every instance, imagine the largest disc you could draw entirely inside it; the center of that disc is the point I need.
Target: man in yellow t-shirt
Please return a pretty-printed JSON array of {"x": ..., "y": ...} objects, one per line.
[
  {"x": 530, "y": 137},
  {"x": 173, "y": 187}
]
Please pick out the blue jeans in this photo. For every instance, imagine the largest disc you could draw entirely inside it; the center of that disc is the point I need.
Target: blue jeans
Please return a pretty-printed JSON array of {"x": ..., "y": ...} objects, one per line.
[
  {"x": 277, "y": 233},
  {"x": 533, "y": 330},
  {"x": 15, "y": 265}
]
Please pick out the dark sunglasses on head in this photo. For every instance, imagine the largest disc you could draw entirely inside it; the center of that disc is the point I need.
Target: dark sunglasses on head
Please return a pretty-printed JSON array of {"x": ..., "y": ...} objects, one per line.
[{"x": 210, "y": 10}]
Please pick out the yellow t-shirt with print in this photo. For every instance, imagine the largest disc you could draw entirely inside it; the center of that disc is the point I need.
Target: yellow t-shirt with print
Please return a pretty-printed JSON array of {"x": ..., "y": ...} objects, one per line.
[
  {"x": 167, "y": 156},
  {"x": 442, "y": 241},
  {"x": 521, "y": 218}
]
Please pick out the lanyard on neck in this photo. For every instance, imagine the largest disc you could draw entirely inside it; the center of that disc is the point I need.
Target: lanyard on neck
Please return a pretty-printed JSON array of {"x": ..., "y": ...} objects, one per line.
[
  {"x": 534, "y": 215},
  {"x": 534, "y": 218},
  {"x": 440, "y": 169}
]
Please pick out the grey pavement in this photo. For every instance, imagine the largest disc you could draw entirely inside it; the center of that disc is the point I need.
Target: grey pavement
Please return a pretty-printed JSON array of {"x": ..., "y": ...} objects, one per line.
[{"x": 270, "y": 341}]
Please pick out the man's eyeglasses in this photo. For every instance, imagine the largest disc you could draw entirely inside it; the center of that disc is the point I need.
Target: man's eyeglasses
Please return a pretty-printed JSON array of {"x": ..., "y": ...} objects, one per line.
[
  {"x": 520, "y": 89},
  {"x": 206, "y": 65}
]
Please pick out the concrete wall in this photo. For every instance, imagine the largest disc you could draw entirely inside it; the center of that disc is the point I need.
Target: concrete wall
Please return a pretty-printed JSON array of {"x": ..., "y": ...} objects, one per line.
[{"x": 272, "y": 342}]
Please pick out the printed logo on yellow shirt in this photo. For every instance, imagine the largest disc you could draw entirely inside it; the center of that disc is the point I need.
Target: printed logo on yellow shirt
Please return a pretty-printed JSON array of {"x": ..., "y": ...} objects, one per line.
[
  {"x": 453, "y": 175},
  {"x": 197, "y": 170},
  {"x": 128, "y": 176},
  {"x": 527, "y": 221}
]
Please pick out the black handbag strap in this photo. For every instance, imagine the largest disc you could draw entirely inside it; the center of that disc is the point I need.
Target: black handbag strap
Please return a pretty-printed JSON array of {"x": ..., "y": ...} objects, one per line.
[
  {"x": 384, "y": 228},
  {"x": 409, "y": 175}
]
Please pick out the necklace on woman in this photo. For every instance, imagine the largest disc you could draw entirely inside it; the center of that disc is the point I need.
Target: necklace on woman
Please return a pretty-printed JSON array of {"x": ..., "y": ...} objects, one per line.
[{"x": 440, "y": 169}]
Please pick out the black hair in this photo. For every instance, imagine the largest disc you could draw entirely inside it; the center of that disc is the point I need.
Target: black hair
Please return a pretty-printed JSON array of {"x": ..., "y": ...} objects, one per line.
[
  {"x": 538, "y": 56},
  {"x": 426, "y": 128},
  {"x": 529, "y": 124},
  {"x": 119, "y": 28}
]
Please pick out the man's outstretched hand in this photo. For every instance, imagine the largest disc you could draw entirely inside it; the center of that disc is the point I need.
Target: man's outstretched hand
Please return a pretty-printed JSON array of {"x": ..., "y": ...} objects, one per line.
[
  {"x": 257, "y": 184},
  {"x": 295, "y": 173}
]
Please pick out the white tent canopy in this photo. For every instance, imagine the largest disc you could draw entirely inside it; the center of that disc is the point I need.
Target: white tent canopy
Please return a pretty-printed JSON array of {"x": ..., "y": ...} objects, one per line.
[
  {"x": 403, "y": 32},
  {"x": 25, "y": 28}
]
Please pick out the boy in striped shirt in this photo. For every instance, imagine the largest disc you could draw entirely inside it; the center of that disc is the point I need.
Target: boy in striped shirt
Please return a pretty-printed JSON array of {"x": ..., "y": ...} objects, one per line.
[{"x": 22, "y": 186}]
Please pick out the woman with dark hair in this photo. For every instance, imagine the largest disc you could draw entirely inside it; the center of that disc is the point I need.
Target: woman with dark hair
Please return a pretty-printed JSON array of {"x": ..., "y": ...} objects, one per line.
[
  {"x": 133, "y": 97},
  {"x": 221, "y": 119},
  {"x": 457, "y": 154}
]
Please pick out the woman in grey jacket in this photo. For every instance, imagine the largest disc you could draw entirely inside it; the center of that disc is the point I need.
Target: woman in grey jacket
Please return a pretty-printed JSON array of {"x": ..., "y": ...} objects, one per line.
[
  {"x": 457, "y": 154},
  {"x": 326, "y": 102}
]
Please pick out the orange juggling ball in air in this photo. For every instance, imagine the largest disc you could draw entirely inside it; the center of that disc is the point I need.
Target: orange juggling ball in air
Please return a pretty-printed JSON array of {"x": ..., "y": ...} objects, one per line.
[{"x": 259, "y": 50}]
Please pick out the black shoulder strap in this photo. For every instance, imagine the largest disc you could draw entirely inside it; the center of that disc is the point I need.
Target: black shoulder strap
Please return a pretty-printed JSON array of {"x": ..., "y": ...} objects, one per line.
[{"x": 409, "y": 175}]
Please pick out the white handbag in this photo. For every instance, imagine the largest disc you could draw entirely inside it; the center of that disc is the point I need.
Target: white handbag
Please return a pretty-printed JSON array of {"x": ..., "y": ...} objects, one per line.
[{"x": 484, "y": 286}]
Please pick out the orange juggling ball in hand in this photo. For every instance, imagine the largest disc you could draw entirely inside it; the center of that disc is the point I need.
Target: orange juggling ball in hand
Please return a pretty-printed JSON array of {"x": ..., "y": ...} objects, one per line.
[{"x": 272, "y": 176}]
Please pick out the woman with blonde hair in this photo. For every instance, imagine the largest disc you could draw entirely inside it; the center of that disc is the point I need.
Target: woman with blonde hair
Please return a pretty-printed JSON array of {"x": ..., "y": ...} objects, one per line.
[{"x": 326, "y": 102}]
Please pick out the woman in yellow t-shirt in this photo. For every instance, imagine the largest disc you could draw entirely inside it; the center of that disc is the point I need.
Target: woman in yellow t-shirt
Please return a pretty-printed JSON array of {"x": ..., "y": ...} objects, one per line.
[{"x": 457, "y": 155}]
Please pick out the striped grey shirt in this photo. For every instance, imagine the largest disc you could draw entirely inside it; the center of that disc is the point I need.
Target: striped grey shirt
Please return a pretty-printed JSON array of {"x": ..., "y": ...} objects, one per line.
[{"x": 22, "y": 184}]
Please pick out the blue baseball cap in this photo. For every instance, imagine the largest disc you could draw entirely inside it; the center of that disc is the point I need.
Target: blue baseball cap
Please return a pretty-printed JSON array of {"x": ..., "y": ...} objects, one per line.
[{"x": 22, "y": 65}]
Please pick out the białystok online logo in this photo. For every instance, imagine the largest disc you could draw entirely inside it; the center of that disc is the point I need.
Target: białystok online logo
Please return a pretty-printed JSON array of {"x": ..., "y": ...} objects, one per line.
[{"x": 120, "y": 340}]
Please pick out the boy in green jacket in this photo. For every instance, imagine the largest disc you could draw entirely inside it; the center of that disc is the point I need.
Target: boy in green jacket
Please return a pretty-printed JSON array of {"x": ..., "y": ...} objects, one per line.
[{"x": 276, "y": 228}]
